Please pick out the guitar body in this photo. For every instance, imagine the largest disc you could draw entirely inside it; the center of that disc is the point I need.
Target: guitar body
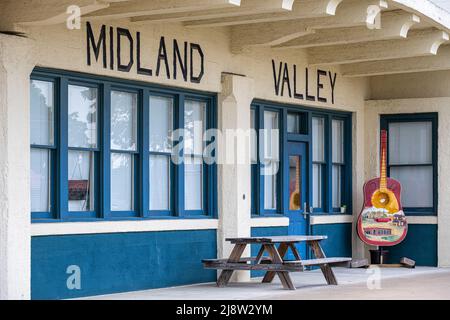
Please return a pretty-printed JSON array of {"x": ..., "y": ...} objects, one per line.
[
  {"x": 382, "y": 221},
  {"x": 379, "y": 226}
]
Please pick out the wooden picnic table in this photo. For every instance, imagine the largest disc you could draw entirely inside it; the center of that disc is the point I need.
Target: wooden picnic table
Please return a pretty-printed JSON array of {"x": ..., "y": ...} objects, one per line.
[{"x": 275, "y": 263}]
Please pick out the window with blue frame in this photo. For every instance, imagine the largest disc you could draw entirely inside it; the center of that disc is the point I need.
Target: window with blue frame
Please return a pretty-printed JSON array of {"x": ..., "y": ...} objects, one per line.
[
  {"x": 43, "y": 144},
  {"x": 412, "y": 159},
  {"x": 103, "y": 149},
  {"x": 328, "y": 135}
]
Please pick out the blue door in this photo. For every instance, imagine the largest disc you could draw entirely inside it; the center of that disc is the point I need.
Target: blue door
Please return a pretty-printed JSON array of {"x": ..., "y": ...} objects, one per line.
[{"x": 295, "y": 169}]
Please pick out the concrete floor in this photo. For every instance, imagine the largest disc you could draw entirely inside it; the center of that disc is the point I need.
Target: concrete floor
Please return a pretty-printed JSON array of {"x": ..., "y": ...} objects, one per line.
[{"x": 384, "y": 283}]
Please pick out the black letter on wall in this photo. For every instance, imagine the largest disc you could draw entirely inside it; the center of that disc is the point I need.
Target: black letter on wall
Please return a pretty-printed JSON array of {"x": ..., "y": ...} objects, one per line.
[
  {"x": 101, "y": 43},
  {"x": 178, "y": 59},
  {"x": 197, "y": 79},
  {"x": 162, "y": 55},
  {"x": 120, "y": 33},
  {"x": 141, "y": 70},
  {"x": 275, "y": 78},
  {"x": 320, "y": 73}
]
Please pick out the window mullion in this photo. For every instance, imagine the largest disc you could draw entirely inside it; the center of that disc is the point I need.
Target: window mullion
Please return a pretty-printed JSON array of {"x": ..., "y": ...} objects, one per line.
[
  {"x": 328, "y": 201},
  {"x": 144, "y": 176},
  {"x": 179, "y": 169},
  {"x": 62, "y": 195},
  {"x": 105, "y": 147}
]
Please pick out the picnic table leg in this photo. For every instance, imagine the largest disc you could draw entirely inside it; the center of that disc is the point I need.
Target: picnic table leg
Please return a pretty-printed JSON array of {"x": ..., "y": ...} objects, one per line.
[
  {"x": 326, "y": 268},
  {"x": 235, "y": 256},
  {"x": 270, "y": 275},
  {"x": 283, "y": 275}
]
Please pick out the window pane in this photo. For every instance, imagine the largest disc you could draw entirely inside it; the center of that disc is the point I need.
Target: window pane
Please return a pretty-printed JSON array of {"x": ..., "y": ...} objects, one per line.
[
  {"x": 40, "y": 180},
  {"x": 270, "y": 185},
  {"x": 295, "y": 195},
  {"x": 122, "y": 182},
  {"x": 417, "y": 185},
  {"x": 336, "y": 184},
  {"x": 194, "y": 125},
  {"x": 81, "y": 181},
  {"x": 193, "y": 181},
  {"x": 159, "y": 182},
  {"x": 338, "y": 141},
  {"x": 317, "y": 185},
  {"x": 83, "y": 115},
  {"x": 42, "y": 113},
  {"x": 123, "y": 121},
  {"x": 271, "y": 135},
  {"x": 161, "y": 124},
  {"x": 254, "y": 140},
  {"x": 293, "y": 123},
  {"x": 410, "y": 143},
  {"x": 318, "y": 136}
]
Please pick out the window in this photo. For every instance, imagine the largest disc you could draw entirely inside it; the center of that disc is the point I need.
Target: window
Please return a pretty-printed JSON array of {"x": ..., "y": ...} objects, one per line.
[
  {"x": 318, "y": 158},
  {"x": 83, "y": 147},
  {"x": 271, "y": 160},
  {"x": 328, "y": 180},
  {"x": 161, "y": 127},
  {"x": 42, "y": 137},
  {"x": 412, "y": 158},
  {"x": 194, "y": 124},
  {"x": 123, "y": 149},
  {"x": 110, "y": 154},
  {"x": 337, "y": 137}
]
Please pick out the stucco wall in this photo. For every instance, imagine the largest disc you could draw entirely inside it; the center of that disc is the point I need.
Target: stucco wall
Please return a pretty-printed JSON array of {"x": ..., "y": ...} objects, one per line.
[{"x": 61, "y": 48}]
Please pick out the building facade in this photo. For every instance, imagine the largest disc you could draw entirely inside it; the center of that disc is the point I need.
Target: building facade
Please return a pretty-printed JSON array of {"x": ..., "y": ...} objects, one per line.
[{"x": 96, "y": 98}]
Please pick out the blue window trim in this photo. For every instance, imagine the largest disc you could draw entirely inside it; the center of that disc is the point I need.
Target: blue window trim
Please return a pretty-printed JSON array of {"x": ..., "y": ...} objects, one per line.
[
  {"x": 432, "y": 117},
  {"x": 102, "y": 212},
  {"x": 257, "y": 183}
]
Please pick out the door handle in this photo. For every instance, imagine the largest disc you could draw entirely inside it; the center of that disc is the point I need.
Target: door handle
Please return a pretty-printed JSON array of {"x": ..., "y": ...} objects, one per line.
[{"x": 306, "y": 210}]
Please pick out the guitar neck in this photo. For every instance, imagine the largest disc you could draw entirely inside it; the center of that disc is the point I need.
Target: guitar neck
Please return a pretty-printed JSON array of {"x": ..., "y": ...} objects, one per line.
[{"x": 383, "y": 164}]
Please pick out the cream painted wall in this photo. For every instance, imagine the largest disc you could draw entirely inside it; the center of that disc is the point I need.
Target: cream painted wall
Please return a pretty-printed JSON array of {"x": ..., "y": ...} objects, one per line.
[
  {"x": 411, "y": 85},
  {"x": 374, "y": 109},
  {"x": 66, "y": 49}
]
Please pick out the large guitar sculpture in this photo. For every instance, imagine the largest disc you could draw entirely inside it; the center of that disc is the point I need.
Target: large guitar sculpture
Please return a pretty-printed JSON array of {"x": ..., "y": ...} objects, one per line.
[{"x": 382, "y": 221}]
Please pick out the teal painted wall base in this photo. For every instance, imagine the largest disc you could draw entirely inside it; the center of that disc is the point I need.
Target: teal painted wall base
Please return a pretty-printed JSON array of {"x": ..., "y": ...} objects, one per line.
[
  {"x": 120, "y": 262},
  {"x": 420, "y": 245},
  {"x": 339, "y": 242},
  {"x": 261, "y": 232}
]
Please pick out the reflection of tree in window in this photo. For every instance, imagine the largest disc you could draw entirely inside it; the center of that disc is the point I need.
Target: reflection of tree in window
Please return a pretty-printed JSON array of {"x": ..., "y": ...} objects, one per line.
[
  {"x": 82, "y": 117},
  {"x": 123, "y": 116}
]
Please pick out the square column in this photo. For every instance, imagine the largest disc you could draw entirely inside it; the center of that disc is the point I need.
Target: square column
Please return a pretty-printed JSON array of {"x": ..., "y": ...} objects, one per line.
[
  {"x": 234, "y": 185},
  {"x": 16, "y": 64}
]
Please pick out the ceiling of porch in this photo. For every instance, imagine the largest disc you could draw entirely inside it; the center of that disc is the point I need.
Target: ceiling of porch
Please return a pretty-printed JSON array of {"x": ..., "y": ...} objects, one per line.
[{"x": 413, "y": 34}]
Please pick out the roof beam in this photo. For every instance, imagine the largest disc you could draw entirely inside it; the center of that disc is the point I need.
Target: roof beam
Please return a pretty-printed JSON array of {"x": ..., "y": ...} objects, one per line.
[
  {"x": 247, "y": 7},
  {"x": 394, "y": 24},
  {"x": 427, "y": 10},
  {"x": 441, "y": 61},
  {"x": 422, "y": 43},
  {"x": 354, "y": 13},
  {"x": 49, "y": 12},
  {"x": 145, "y": 7},
  {"x": 301, "y": 9}
]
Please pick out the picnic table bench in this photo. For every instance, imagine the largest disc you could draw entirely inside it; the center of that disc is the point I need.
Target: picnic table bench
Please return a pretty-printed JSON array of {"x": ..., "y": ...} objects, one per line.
[{"x": 275, "y": 263}]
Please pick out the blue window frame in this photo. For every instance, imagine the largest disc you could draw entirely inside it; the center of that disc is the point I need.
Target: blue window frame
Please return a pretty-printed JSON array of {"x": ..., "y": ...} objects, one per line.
[
  {"x": 95, "y": 150},
  {"x": 330, "y": 149},
  {"x": 413, "y": 159}
]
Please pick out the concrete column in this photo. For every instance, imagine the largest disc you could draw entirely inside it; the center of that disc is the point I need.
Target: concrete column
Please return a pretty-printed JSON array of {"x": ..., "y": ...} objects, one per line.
[
  {"x": 234, "y": 178},
  {"x": 358, "y": 148},
  {"x": 16, "y": 64}
]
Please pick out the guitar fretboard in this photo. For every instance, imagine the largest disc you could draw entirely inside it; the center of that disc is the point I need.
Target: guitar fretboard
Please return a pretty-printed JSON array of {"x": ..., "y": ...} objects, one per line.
[{"x": 383, "y": 170}]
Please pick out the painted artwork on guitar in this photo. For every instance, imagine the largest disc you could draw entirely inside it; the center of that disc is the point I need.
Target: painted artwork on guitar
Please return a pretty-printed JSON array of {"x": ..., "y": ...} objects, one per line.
[{"x": 382, "y": 221}]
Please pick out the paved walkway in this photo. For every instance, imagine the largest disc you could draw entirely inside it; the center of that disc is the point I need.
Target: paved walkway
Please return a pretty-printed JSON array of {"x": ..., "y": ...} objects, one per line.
[{"x": 385, "y": 283}]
